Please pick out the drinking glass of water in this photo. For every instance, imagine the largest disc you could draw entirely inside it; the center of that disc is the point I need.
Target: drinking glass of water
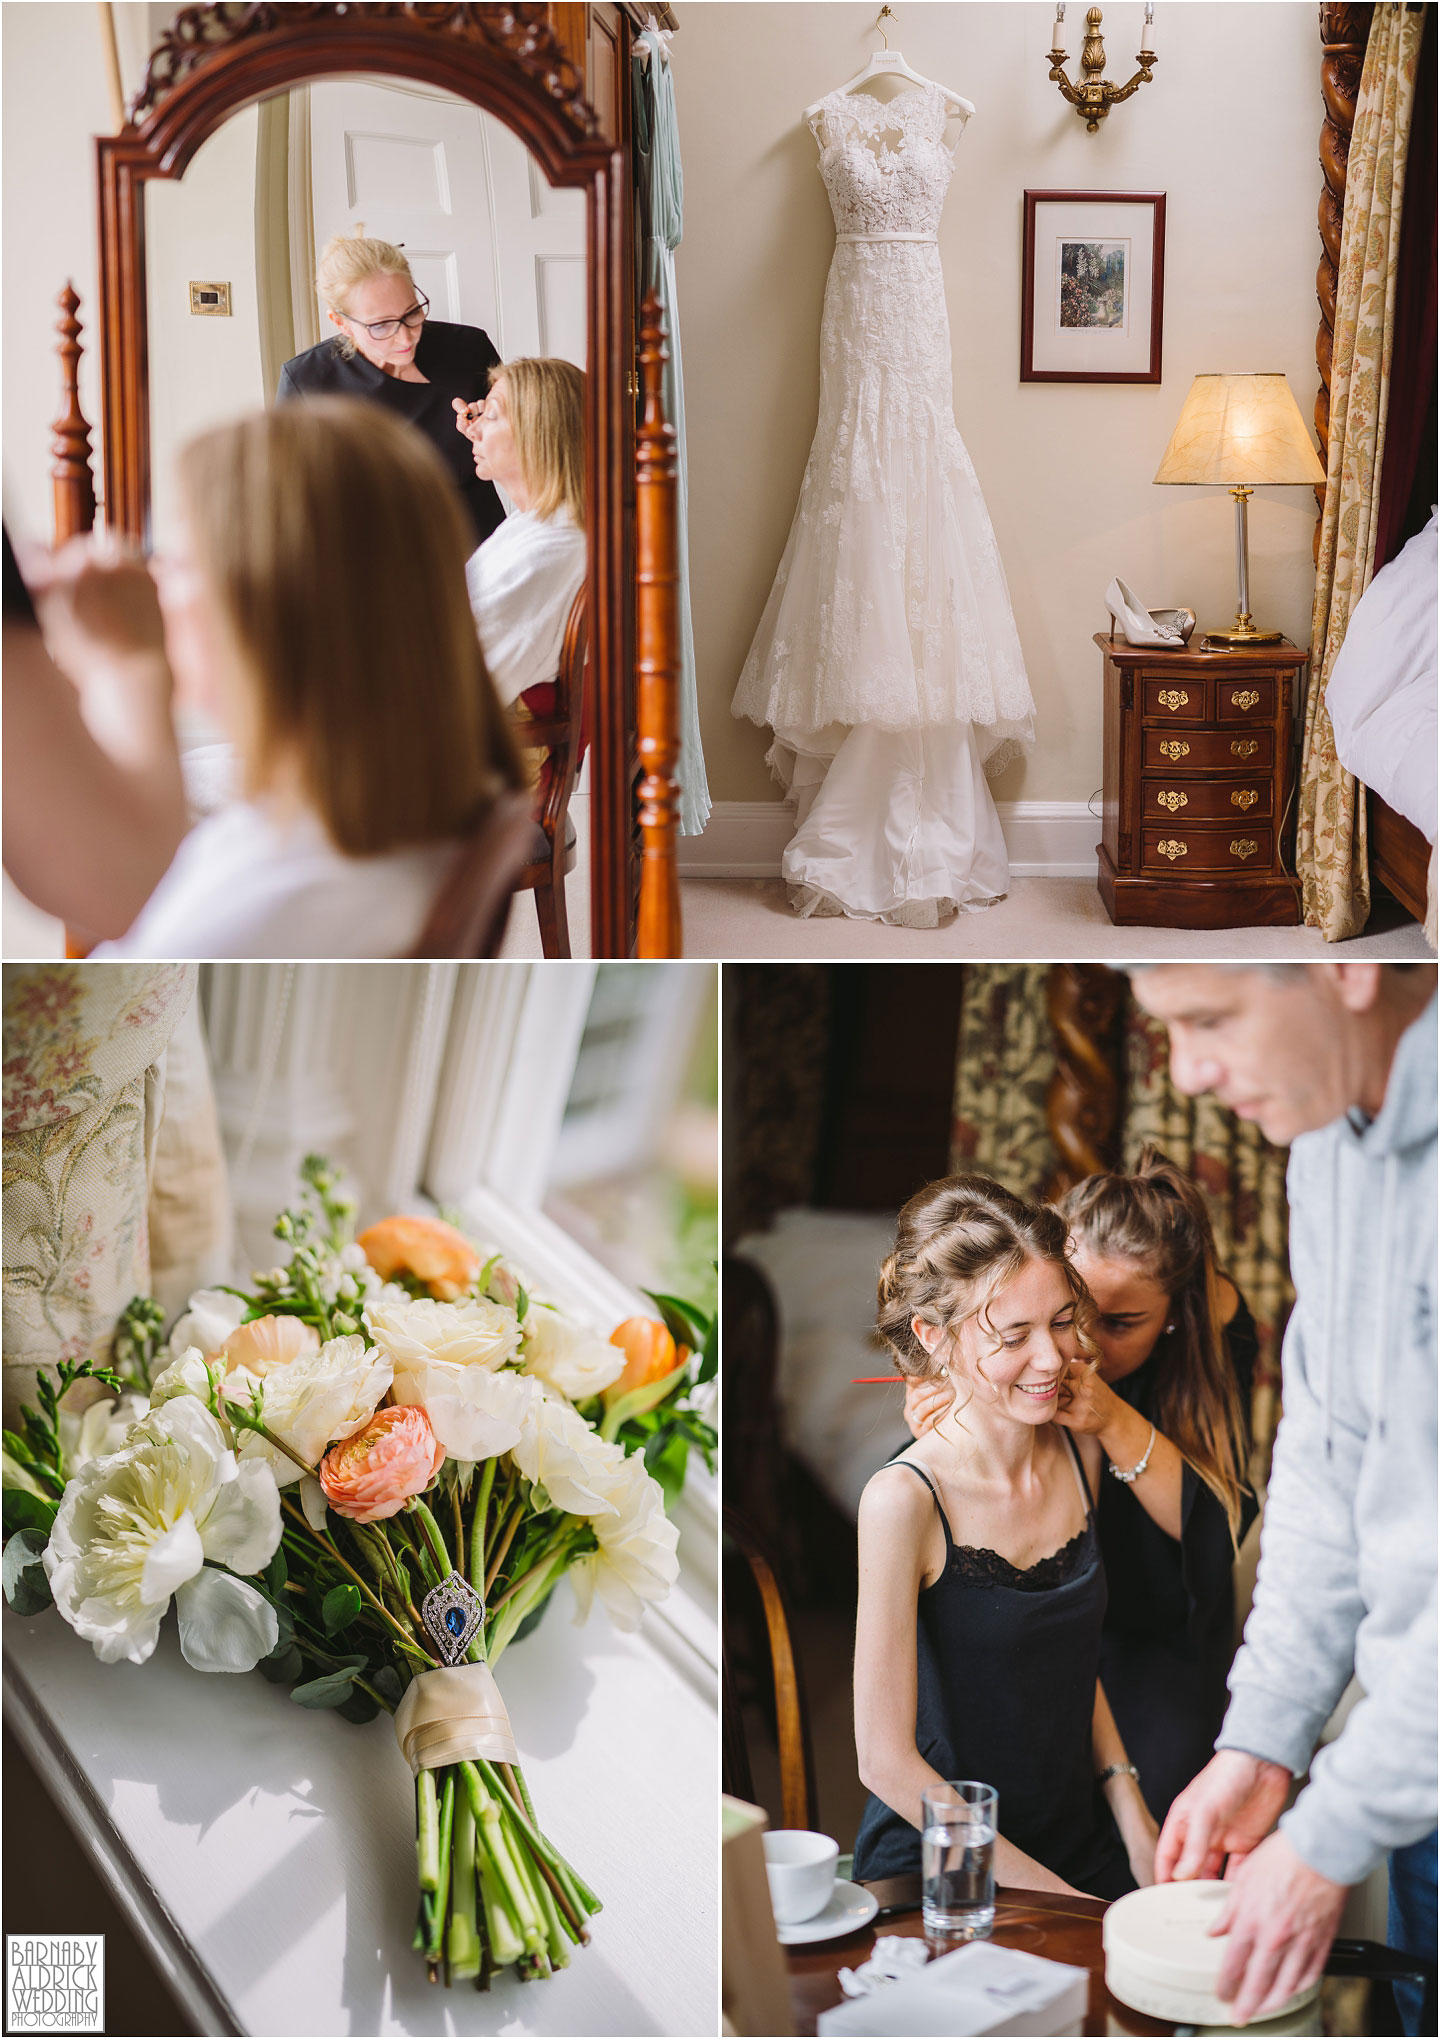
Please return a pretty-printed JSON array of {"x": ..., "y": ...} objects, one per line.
[{"x": 957, "y": 1859}]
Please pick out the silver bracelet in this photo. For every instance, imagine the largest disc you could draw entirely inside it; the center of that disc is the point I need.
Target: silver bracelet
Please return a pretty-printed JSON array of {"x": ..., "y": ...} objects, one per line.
[
  {"x": 1135, "y": 1471},
  {"x": 1118, "y": 1770}
]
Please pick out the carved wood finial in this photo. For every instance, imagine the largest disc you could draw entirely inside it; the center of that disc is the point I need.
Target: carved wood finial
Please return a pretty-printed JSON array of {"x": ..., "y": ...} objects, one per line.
[
  {"x": 657, "y": 646},
  {"x": 1344, "y": 32},
  {"x": 74, "y": 484},
  {"x": 1085, "y": 1003}
]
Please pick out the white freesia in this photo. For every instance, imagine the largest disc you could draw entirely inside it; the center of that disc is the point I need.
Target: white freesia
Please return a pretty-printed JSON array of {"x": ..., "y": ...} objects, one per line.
[
  {"x": 190, "y": 1374},
  {"x": 312, "y": 1403},
  {"x": 470, "y": 1333},
  {"x": 476, "y": 1414},
  {"x": 636, "y": 1560},
  {"x": 136, "y": 1528},
  {"x": 210, "y": 1316},
  {"x": 568, "y": 1356},
  {"x": 101, "y": 1429},
  {"x": 559, "y": 1451}
]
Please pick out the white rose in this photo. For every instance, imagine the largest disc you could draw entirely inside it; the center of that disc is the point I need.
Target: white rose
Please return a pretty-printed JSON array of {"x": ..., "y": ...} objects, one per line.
[
  {"x": 471, "y": 1333},
  {"x": 210, "y": 1316},
  {"x": 190, "y": 1374},
  {"x": 313, "y": 1402},
  {"x": 570, "y": 1357},
  {"x": 636, "y": 1561},
  {"x": 559, "y": 1451},
  {"x": 476, "y": 1414},
  {"x": 102, "y": 1428},
  {"x": 138, "y": 1527}
]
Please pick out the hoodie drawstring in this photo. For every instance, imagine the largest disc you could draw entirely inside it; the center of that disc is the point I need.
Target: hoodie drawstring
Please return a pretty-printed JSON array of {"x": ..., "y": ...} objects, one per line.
[
  {"x": 1332, "y": 1298},
  {"x": 1389, "y": 1189}
]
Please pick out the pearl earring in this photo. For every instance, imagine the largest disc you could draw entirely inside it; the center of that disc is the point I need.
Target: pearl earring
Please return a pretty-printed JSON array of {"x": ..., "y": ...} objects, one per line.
[
  {"x": 945, "y": 1373},
  {"x": 1168, "y": 1329}
]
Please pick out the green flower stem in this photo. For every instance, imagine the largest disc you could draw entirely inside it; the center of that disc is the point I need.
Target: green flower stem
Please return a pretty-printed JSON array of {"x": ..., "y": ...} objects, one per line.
[
  {"x": 459, "y": 1531},
  {"x": 381, "y": 1609},
  {"x": 557, "y": 1943},
  {"x": 541, "y": 1580},
  {"x": 491, "y": 1839},
  {"x": 436, "y": 1944},
  {"x": 504, "y": 1942},
  {"x": 427, "y": 1831},
  {"x": 546, "y": 1560},
  {"x": 502, "y": 1546},
  {"x": 253, "y": 1423},
  {"x": 430, "y": 1534},
  {"x": 477, "y": 1520},
  {"x": 422, "y": 1928},
  {"x": 463, "y": 1942},
  {"x": 545, "y": 1851},
  {"x": 378, "y": 1697}
]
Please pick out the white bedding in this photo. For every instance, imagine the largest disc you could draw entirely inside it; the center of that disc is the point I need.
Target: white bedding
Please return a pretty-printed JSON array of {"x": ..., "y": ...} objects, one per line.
[
  {"x": 1381, "y": 695},
  {"x": 822, "y": 1267}
]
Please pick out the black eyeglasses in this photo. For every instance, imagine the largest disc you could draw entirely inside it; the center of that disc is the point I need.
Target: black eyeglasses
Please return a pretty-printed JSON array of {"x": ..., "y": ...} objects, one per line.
[{"x": 386, "y": 329}]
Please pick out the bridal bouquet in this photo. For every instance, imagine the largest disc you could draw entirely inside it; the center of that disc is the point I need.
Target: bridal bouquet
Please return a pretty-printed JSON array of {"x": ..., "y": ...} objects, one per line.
[{"x": 365, "y": 1475}]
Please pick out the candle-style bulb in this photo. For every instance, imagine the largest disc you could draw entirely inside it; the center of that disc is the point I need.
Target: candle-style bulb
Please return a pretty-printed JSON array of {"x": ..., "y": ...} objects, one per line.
[
  {"x": 1147, "y": 40},
  {"x": 1057, "y": 41}
]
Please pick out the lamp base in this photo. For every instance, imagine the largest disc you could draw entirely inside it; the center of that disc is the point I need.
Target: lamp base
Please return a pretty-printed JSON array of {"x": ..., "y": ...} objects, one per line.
[{"x": 1240, "y": 635}]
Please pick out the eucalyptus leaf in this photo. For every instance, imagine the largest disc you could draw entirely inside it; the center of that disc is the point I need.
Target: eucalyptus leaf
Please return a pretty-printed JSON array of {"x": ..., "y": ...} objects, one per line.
[
  {"x": 282, "y": 1667},
  {"x": 331, "y": 1690},
  {"x": 359, "y": 1707},
  {"x": 388, "y": 1683},
  {"x": 341, "y": 1606},
  {"x": 276, "y": 1572},
  {"x": 27, "y": 1590},
  {"x": 285, "y": 1623}
]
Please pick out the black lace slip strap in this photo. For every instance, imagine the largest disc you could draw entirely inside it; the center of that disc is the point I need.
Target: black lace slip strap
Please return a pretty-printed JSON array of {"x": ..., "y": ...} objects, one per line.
[
  {"x": 950, "y": 1544},
  {"x": 980, "y": 1566}
]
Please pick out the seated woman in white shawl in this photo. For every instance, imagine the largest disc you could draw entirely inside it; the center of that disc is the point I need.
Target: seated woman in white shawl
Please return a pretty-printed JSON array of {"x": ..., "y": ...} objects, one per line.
[{"x": 529, "y": 438}]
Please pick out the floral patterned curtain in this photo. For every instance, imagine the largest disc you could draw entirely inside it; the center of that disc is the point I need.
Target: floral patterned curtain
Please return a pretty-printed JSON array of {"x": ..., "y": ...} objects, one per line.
[
  {"x": 1003, "y": 1067},
  {"x": 1243, "y": 1178},
  {"x": 1331, "y": 838}
]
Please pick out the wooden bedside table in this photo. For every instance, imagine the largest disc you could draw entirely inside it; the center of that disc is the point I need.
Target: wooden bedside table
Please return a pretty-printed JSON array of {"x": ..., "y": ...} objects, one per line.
[{"x": 1197, "y": 827}]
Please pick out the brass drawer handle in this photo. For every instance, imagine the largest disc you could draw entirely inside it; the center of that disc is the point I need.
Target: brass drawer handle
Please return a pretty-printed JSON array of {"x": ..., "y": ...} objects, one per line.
[
  {"x": 1172, "y": 850},
  {"x": 1173, "y": 800},
  {"x": 1245, "y": 699},
  {"x": 1244, "y": 848},
  {"x": 1174, "y": 697},
  {"x": 1244, "y": 748},
  {"x": 1245, "y": 799},
  {"x": 1174, "y": 751}
]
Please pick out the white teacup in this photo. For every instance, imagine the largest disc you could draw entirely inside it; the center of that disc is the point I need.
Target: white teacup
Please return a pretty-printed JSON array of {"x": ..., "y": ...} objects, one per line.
[{"x": 801, "y": 1868}]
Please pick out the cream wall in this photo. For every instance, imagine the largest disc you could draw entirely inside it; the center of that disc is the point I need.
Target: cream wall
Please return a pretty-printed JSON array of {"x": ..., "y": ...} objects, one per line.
[{"x": 1228, "y": 130}]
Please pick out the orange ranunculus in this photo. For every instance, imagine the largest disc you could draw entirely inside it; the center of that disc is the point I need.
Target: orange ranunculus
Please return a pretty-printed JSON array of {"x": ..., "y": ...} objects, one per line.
[
  {"x": 269, "y": 1342},
  {"x": 434, "y": 1252},
  {"x": 372, "y": 1475},
  {"x": 649, "y": 1355}
]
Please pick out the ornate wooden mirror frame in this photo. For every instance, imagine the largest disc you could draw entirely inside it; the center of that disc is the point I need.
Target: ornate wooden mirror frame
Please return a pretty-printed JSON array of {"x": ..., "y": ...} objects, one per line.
[{"x": 215, "y": 60}]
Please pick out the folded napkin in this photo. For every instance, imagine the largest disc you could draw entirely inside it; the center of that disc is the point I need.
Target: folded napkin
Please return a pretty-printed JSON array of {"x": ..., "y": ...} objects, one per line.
[{"x": 895, "y": 1955}]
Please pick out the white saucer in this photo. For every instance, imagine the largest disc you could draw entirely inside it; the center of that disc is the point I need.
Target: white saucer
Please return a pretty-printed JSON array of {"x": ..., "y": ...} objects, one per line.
[{"x": 850, "y": 1908}]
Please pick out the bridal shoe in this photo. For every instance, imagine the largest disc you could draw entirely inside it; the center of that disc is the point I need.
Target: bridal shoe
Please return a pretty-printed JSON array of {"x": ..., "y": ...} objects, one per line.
[{"x": 1140, "y": 625}]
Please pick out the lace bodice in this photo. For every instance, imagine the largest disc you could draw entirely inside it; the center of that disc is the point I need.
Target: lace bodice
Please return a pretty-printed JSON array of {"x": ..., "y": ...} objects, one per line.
[
  {"x": 886, "y": 165},
  {"x": 975, "y": 1566}
]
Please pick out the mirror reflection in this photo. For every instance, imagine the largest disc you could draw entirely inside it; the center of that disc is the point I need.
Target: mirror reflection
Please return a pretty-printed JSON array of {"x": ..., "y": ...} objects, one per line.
[{"x": 389, "y": 244}]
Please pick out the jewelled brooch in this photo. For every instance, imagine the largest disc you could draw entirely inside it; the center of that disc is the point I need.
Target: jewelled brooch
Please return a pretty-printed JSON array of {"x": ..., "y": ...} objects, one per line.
[{"x": 452, "y": 1612}]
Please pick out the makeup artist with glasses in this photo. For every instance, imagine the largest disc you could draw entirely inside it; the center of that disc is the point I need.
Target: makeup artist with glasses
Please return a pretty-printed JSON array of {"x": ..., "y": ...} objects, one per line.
[{"x": 386, "y": 349}]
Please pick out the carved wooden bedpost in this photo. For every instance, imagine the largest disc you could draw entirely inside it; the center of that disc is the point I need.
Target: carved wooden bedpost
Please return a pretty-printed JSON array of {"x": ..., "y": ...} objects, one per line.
[
  {"x": 1086, "y": 1002},
  {"x": 1344, "y": 32},
  {"x": 73, "y": 482},
  {"x": 657, "y": 648}
]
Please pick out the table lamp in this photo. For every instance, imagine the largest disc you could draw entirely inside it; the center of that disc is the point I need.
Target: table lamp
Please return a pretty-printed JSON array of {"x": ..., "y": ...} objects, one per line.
[{"x": 1241, "y": 432}]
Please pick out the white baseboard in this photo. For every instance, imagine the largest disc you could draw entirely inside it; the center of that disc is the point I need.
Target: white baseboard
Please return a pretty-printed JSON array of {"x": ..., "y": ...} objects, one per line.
[{"x": 747, "y": 838}]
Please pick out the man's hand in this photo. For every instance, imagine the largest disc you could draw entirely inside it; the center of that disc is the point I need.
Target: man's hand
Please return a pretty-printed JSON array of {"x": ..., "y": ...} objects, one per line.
[
  {"x": 1227, "y": 1810},
  {"x": 1280, "y": 1920}
]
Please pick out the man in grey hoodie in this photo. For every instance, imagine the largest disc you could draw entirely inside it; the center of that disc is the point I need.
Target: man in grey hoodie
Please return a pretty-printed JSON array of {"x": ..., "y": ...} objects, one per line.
[{"x": 1338, "y": 1061}]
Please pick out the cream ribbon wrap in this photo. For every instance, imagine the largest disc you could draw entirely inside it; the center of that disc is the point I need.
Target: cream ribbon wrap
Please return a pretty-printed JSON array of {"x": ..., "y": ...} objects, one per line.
[{"x": 453, "y": 1716}]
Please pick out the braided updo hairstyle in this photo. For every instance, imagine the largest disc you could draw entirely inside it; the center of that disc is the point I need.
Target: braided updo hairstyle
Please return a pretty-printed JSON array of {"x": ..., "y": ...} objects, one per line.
[
  {"x": 958, "y": 1243},
  {"x": 1156, "y": 1219}
]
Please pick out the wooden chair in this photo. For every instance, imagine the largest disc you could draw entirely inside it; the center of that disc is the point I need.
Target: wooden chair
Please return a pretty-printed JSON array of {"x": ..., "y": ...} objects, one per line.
[
  {"x": 554, "y": 725},
  {"x": 469, "y": 913},
  {"x": 792, "y": 1722}
]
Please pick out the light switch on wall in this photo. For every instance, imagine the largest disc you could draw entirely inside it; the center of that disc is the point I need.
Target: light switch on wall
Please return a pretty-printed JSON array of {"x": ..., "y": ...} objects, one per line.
[{"x": 211, "y": 300}]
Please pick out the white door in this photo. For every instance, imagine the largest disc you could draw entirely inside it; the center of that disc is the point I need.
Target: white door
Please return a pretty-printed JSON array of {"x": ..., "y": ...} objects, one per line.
[{"x": 489, "y": 242}]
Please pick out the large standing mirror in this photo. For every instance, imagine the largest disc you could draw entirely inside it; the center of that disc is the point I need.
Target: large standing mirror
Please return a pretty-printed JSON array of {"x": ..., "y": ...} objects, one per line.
[{"x": 464, "y": 136}]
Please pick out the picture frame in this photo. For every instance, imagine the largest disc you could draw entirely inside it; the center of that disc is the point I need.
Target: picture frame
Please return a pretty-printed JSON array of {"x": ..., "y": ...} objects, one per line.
[{"x": 1092, "y": 286}]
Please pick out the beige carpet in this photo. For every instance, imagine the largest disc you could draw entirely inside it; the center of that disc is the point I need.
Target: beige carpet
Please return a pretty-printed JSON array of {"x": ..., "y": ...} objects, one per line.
[{"x": 1055, "y": 919}]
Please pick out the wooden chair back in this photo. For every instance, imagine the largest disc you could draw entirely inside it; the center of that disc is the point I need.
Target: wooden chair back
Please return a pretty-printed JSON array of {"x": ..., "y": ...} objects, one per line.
[
  {"x": 555, "y": 723},
  {"x": 792, "y": 1720},
  {"x": 467, "y": 918}
]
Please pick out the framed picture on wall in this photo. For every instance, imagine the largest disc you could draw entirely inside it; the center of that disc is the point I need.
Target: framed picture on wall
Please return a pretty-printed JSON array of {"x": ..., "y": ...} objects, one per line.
[{"x": 1093, "y": 286}]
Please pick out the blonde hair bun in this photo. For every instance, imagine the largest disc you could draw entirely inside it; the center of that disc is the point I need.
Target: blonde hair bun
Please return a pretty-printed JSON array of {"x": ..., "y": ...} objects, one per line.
[{"x": 348, "y": 259}]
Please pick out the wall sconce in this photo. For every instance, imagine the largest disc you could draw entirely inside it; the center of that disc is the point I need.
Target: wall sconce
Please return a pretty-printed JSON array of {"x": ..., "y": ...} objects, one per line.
[{"x": 1093, "y": 99}]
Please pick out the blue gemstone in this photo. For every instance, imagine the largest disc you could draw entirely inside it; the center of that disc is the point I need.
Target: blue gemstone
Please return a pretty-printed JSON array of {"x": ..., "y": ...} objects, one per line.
[{"x": 455, "y": 1621}]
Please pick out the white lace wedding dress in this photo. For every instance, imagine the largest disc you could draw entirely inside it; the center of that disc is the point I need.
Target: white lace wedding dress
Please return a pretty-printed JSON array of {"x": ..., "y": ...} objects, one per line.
[{"x": 887, "y": 661}]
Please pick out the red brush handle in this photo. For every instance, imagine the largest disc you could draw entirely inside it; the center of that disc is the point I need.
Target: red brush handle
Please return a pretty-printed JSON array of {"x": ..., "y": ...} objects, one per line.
[{"x": 873, "y": 1380}]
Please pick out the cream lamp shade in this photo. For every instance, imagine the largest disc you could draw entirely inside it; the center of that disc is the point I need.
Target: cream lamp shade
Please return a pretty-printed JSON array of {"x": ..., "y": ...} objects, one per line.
[{"x": 1241, "y": 431}]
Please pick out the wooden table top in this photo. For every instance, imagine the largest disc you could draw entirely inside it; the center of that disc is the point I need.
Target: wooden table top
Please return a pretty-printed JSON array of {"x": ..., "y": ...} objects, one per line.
[{"x": 1059, "y": 1928}]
